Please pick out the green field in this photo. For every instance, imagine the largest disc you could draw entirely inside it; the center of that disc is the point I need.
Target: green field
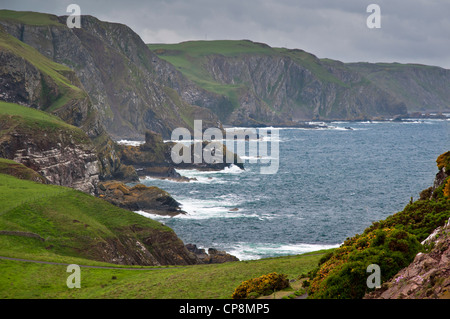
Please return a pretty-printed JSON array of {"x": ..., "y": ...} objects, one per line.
[
  {"x": 215, "y": 281},
  {"x": 49, "y": 212},
  {"x": 29, "y": 17}
]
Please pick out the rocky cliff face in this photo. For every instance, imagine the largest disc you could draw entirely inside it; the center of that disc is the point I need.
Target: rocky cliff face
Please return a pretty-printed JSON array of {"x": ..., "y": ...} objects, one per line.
[
  {"x": 62, "y": 155},
  {"x": 156, "y": 248},
  {"x": 252, "y": 84},
  {"x": 427, "y": 277},
  {"x": 28, "y": 78},
  {"x": 279, "y": 89},
  {"x": 118, "y": 72}
]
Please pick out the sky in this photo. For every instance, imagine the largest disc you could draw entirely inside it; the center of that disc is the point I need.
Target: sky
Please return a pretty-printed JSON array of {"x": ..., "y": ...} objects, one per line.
[{"x": 411, "y": 31}]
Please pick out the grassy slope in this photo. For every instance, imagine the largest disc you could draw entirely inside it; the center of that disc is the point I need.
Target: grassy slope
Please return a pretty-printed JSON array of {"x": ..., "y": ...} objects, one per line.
[
  {"x": 69, "y": 221},
  {"x": 34, "y": 122},
  {"x": 49, "y": 211},
  {"x": 28, "y": 280},
  {"x": 20, "y": 171},
  {"x": 29, "y": 17}
]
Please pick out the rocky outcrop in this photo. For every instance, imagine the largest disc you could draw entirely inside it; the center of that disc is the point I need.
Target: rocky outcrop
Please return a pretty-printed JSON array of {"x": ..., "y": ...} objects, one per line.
[
  {"x": 154, "y": 159},
  {"x": 213, "y": 256},
  {"x": 155, "y": 248},
  {"x": 63, "y": 156},
  {"x": 427, "y": 277},
  {"x": 139, "y": 198}
]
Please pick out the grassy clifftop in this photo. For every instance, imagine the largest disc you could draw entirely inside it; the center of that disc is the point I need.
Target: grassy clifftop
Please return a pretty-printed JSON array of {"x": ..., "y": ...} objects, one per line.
[{"x": 68, "y": 225}]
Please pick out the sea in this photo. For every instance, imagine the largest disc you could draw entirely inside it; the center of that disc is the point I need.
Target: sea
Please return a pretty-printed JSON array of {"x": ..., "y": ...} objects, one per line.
[{"x": 331, "y": 183}]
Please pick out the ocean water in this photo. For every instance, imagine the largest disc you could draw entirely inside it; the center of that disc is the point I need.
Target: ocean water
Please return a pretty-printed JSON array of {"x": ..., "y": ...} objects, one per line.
[{"x": 331, "y": 184}]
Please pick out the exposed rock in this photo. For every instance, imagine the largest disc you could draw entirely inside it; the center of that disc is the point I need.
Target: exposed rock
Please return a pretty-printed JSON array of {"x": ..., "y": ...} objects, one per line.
[
  {"x": 139, "y": 198},
  {"x": 63, "y": 156},
  {"x": 213, "y": 256},
  {"x": 427, "y": 277},
  {"x": 117, "y": 70},
  {"x": 141, "y": 246},
  {"x": 154, "y": 159},
  {"x": 24, "y": 80}
]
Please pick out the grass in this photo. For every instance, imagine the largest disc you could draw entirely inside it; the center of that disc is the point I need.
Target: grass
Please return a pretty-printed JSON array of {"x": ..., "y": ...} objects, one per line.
[
  {"x": 40, "y": 124},
  {"x": 29, "y": 17},
  {"x": 31, "y": 114},
  {"x": 70, "y": 221},
  {"x": 215, "y": 281},
  {"x": 19, "y": 170},
  {"x": 49, "y": 211}
]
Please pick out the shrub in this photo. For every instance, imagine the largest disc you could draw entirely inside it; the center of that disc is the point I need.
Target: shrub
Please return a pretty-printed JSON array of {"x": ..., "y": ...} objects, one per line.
[
  {"x": 264, "y": 285},
  {"x": 444, "y": 161},
  {"x": 343, "y": 276}
]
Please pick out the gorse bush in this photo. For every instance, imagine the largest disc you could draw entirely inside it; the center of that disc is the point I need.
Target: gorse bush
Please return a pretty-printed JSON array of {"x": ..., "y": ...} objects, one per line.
[
  {"x": 343, "y": 274},
  {"x": 444, "y": 161},
  {"x": 264, "y": 285}
]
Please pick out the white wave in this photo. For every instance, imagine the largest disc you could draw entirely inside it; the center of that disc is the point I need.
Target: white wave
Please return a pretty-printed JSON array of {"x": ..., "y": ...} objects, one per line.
[
  {"x": 254, "y": 251},
  {"x": 132, "y": 143},
  {"x": 232, "y": 169},
  {"x": 202, "y": 177},
  {"x": 224, "y": 206}
]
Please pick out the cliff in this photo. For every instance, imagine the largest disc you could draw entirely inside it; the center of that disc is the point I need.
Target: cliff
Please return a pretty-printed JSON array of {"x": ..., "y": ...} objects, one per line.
[
  {"x": 251, "y": 83},
  {"x": 428, "y": 276},
  {"x": 420, "y": 87},
  {"x": 117, "y": 70},
  {"x": 257, "y": 84},
  {"x": 29, "y": 78},
  {"x": 59, "y": 152}
]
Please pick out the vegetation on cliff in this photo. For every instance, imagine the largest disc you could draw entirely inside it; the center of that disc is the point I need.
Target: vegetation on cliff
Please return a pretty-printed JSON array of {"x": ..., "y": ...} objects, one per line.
[{"x": 392, "y": 244}]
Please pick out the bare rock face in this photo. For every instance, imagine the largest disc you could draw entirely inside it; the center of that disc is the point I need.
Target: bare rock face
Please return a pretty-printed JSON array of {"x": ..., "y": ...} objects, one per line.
[
  {"x": 152, "y": 249},
  {"x": 60, "y": 157},
  {"x": 117, "y": 70},
  {"x": 427, "y": 277}
]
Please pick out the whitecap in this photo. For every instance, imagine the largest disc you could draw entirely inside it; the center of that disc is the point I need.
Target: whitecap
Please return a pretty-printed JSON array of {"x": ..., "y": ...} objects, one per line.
[
  {"x": 131, "y": 143},
  {"x": 254, "y": 251}
]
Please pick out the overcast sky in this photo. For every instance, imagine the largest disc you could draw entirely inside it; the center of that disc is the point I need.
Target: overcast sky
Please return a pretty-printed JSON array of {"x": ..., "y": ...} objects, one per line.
[{"x": 412, "y": 31}]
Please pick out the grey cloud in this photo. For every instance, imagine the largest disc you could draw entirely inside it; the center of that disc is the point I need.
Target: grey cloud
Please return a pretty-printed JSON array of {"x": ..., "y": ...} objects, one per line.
[{"x": 413, "y": 31}]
